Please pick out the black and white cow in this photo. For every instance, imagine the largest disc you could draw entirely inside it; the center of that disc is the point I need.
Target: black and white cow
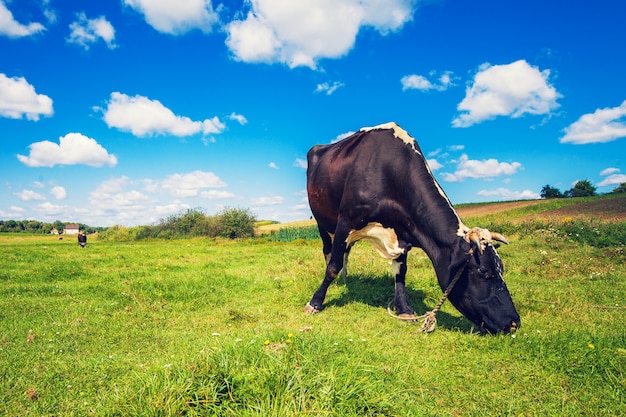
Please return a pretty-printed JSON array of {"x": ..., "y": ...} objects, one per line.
[
  {"x": 82, "y": 240},
  {"x": 376, "y": 185}
]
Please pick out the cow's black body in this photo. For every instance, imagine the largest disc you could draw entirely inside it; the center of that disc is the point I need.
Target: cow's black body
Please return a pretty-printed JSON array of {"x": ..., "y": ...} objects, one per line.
[
  {"x": 377, "y": 183},
  {"x": 82, "y": 240}
]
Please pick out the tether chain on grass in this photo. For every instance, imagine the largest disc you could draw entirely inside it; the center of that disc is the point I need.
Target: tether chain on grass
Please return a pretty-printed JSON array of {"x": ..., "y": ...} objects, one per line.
[{"x": 430, "y": 318}]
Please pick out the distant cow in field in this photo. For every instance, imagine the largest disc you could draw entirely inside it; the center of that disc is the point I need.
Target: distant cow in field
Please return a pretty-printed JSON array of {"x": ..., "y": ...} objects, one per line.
[
  {"x": 376, "y": 185},
  {"x": 82, "y": 240}
]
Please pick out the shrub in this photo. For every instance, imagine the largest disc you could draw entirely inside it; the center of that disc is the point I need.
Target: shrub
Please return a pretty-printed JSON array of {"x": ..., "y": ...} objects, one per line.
[{"x": 236, "y": 223}]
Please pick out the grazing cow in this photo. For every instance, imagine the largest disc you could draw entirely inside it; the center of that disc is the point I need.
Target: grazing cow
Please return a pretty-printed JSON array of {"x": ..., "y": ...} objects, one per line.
[
  {"x": 82, "y": 240},
  {"x": 376, "y": 185}
]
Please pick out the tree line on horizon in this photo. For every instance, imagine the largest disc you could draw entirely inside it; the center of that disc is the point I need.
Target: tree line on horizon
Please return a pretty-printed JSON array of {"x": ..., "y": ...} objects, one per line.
[
  {"x": 231, "y": 222},
  {"x": 44, "y": 228},
  {"x": 582, "y": 188}
]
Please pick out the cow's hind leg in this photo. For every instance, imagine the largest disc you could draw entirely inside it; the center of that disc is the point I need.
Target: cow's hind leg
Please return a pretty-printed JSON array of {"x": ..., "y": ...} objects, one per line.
[
  {"x": 335, "y": 264},
  {"x": 403, "y": 309}
]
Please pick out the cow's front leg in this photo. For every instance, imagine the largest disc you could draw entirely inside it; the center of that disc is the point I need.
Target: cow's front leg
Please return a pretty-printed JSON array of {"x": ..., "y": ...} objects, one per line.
[
  {"x": 334, "y": 266},
  {"x": 403, "y": 309}
]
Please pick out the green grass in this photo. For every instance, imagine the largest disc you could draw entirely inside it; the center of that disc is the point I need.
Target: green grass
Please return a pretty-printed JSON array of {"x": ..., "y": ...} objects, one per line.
[
  {"x": 290, "y": 234},
  {"x": 202, "y": 327}
]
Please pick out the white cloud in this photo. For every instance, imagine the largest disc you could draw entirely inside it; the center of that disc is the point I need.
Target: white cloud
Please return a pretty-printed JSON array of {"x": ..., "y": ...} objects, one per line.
[
  {"x": 328, "y": 88},
  {"x": 113, "y": 196},
  {"x": 18, "y": 99},
  {"x": 603, "y": 125},
  {"x": 191, "y": 184},
  {"x": 471, "y": 168},
  {"x": 58, "y": 192},
  {"x": 144, "y": 117},
  {"x": 176, "y": 17},
  {"x": 111, "y": 200},
  {"x": 420, "y": 82},
  {"x": 299, "y": 33},
  {"x": 238, "y": 118},
  {"x": 14, "y": 212},
  {"x": 609, "y": 171},
  {"x": 434, "y": 164},
  {"x": 267, "y": 201},
  {"x": 506, "y": 194},
  {"x": 613, "y": 179},
  {"x": 511, "y": 90},
  {"x": 29, "y": 195},
  {"x": 73, "y": 149},
  {"x": 300, "y": 163},
  {"x": 216, "y": 194},
  {"x": 49, "y": 210},
  {"x": 456, "y": 147},
  {"x": 342, "y": 136},
  {"x": 273, "y": 165},
  {"x": 434, "y": 153},
  {"x": 85, "y": 32},
  {"x": 12, "y": 28},
  {"x": 415, "y": 82}
]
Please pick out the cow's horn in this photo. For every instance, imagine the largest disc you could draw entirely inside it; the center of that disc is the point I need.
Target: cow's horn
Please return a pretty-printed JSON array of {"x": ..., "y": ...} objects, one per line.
[
  {"x": 474, "y": 241},
  {"x": 499, "y": 238}
]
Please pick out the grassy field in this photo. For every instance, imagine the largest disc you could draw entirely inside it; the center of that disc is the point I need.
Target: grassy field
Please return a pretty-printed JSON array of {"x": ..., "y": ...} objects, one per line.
[{"x": 203, "y": 327}]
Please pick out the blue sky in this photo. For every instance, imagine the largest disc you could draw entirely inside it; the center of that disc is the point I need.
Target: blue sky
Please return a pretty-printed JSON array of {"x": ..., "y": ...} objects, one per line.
[{"x": 128, "y": 111}]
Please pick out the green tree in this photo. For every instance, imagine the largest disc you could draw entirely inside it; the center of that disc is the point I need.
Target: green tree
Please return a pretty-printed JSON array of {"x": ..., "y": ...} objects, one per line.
[
  {"x": 550, "y": 192},
  {"x": 236, "y": 223},
  {"x": 620, "y": 189},
  {"x": 582, "y": 188}
]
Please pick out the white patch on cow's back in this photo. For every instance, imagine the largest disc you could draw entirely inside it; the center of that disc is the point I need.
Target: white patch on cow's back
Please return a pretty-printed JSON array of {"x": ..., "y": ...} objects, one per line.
[
  {"x": 383, "y": 238},
  {"x": 398, "y": 132}
]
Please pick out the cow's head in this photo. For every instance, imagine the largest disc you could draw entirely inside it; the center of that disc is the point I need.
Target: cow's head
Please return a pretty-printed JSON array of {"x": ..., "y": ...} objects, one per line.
[{"x": 481, "y": 294}]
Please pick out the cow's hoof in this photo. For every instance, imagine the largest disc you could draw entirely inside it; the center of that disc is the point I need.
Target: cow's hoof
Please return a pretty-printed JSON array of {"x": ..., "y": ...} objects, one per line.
[
  {"x": 407, "y": 317},
  {"x": 309, "y": 309}
]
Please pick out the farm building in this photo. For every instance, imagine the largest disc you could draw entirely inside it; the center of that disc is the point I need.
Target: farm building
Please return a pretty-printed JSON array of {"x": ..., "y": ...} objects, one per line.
[{"x": 71, "y": 229}]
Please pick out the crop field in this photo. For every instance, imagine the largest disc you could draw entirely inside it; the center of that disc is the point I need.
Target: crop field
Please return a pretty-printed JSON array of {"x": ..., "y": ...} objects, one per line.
[{"x": 210, "y": 327}]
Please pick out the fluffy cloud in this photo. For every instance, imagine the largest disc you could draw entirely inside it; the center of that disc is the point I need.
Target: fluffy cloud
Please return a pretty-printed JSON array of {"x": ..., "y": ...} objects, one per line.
[
  {"x": 114, "y": 200},
  {"x": 176, "y": 17},
  {"x": 241, "y": 119},
  {"x": 506, "y": 194},
  {"x": 609, "y": 171},
  {"x": 85, "y": 32},
  {"x": 434, "y": 164},
  {"x": 73, "y": 149},
  {"x": 144, "y": 117},
  {"x": 18, "y": 99},
  {"x": 420, "y": 82},
  {"x": 13, "y": 29},
  {"x": 58, "y": 192},
  {"x": 299, "y": 33},
  {"x": 614, "y": 179},
  {"x": 29, "y": 195},
  {"x": 603, "y": 125},
  {"x": 328, "y": 88},
  {"x": 216, "y": 194},
  {"x": 511, "y": 90},
  {"x": 191, "y": 184},
  {"x": 489, "y": 168},
  {"x": 267, "y": 201}
]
